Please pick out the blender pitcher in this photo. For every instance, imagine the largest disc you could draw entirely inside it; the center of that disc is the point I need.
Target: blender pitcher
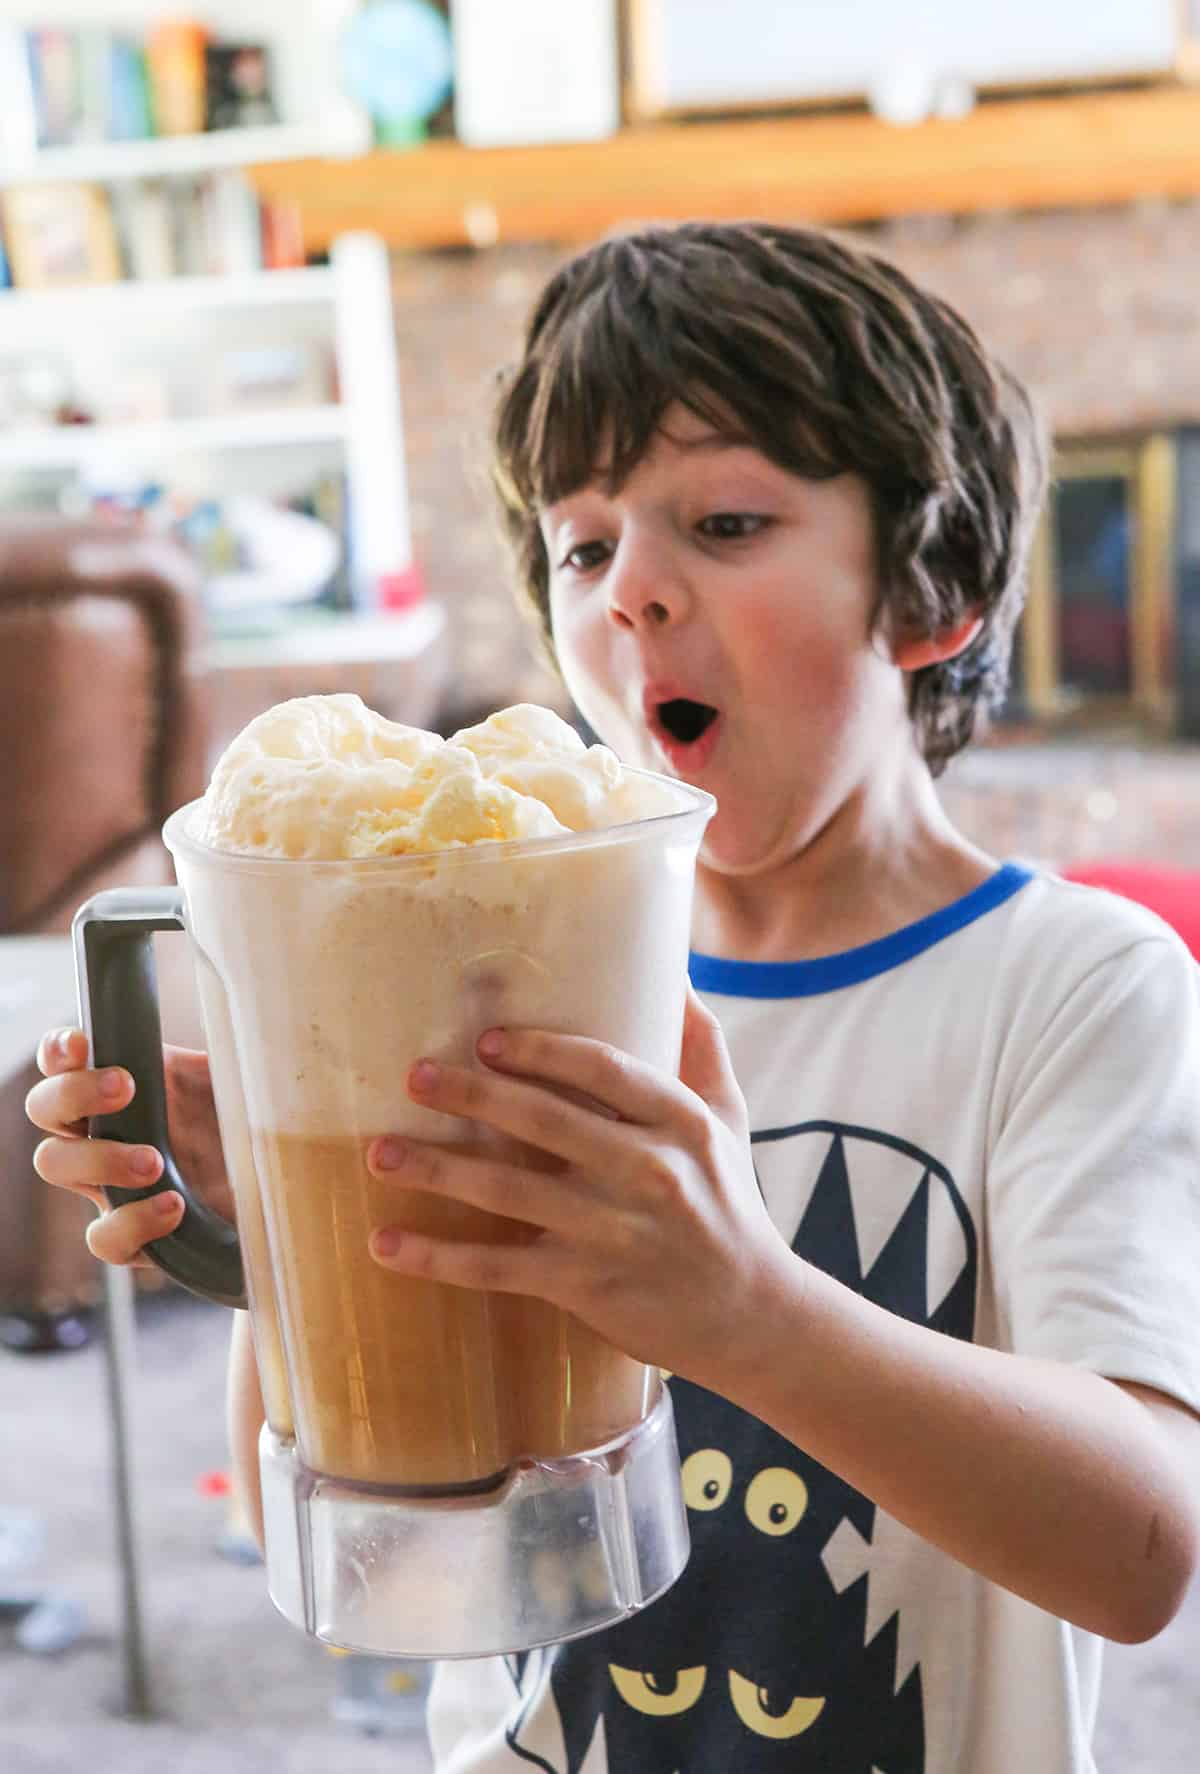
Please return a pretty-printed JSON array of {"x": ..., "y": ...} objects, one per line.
[{"x": 445, "y": 1472}]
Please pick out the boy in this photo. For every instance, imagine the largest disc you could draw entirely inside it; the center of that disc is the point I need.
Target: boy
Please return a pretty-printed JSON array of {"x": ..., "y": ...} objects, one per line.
[{"x": 929, "y": 1289}]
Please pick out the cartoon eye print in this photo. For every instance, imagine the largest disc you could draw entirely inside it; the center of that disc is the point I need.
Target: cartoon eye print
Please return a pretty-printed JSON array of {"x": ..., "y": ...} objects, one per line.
[
  {"x": 760, "y": 1713},
  {"x": 707, "y": 1476},
  {"x": 659, "y": 1696},
  {"x": 775, "y": 1500}
]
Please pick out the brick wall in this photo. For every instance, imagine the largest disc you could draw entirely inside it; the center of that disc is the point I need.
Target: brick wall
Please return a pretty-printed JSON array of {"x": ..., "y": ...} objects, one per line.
[
  {"x": 459, "y": 316},
  {"x": 1070, "y": 802},
  {"x": 1097, "y": 311}
]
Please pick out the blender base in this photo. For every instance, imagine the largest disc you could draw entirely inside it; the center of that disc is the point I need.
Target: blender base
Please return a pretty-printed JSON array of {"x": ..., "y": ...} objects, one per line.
[{"x": 559, "y": 1548}]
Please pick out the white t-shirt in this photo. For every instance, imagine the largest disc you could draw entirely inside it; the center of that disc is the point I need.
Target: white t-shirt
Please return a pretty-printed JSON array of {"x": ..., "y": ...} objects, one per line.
[{"x": 989, "y": 1123}]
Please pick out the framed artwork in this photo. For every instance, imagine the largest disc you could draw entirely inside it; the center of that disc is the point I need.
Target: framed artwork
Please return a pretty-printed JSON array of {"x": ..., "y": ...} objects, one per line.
[
  {"x": 1095, "y": 640},
  {"x": 59, "y": 235}
]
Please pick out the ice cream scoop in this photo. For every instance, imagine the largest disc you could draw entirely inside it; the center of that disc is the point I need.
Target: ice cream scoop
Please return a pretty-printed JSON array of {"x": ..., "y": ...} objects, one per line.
[{"x": 324, "y": 777}]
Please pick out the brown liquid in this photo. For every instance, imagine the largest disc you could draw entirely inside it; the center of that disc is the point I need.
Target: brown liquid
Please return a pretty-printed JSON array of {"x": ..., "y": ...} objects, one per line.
[
  {"x": 396, "y": 1381},
  {"x": 239, "y": 1167},
  {"x": 256, "y": 1265}
]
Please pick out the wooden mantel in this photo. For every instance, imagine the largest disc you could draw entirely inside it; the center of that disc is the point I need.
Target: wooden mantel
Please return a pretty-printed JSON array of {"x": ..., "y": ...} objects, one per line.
[{"x": 1032, "y": 153}]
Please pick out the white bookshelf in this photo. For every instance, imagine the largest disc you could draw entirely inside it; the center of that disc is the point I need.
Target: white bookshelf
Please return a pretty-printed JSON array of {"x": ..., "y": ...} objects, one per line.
[
  {"x": 316, "y": 117},
  {"x": 345, "y": 308},
  {"x": 395, "y": 638},
  {"x": 67, "y": 446},
  {"x": 173, "y": 336},
  {"x": 34, "y": 313},
  {"x": 173, "y": 156}
]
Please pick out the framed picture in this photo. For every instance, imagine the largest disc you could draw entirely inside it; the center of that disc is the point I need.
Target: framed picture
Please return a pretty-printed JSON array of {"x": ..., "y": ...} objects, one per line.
[
  {"x": 1189, "y": 39},
  {"x": 59, "y": 235},
  {"x": 534, "y": 71},
  {"x": 702, "y": 55},
  {"x": 1102, "y": 586}
]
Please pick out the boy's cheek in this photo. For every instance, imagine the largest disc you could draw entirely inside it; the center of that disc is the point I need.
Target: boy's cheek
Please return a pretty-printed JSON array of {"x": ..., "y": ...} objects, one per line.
[{"x": 584, "y": 658}]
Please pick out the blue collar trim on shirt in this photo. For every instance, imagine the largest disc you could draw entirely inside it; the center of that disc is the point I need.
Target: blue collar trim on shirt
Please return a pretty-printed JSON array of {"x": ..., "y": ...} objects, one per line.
[{"x": 805, "y": 979}]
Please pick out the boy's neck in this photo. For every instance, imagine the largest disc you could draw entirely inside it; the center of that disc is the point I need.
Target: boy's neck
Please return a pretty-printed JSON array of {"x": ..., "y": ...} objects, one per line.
[{"x": 880, "y": 864}]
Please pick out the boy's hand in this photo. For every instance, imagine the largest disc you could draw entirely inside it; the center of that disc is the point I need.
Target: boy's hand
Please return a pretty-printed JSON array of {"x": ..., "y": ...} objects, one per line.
[
  {"x": 64, "y": 1102},
  {"x": 648, "y": 1224}
]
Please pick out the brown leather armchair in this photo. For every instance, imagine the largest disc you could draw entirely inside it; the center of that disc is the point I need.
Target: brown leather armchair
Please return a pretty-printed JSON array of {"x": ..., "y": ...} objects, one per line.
[{"x": 102, "y": 735}]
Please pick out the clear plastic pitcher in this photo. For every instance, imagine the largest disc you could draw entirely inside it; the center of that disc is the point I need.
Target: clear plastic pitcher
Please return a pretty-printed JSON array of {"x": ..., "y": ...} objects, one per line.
[{"x": 445, "y": 1472}]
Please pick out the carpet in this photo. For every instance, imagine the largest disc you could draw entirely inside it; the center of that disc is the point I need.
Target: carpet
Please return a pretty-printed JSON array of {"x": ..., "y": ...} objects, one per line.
[{"x": 234, "y": 1688}]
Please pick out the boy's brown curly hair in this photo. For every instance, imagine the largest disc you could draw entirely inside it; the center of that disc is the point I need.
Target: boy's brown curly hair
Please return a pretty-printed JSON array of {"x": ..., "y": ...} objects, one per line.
[{"x": 828, "y": 360}]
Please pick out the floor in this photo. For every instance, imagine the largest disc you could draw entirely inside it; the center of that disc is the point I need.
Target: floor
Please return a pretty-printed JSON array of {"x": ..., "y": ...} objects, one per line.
[{"x": 235, "y": 1690}]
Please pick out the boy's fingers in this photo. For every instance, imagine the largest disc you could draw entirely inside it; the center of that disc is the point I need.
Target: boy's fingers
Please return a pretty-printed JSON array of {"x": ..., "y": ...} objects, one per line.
[
  {"x": 63, "y": 1105},
  {"x": 85, "y": 1166},
  {"x": 120, "y": 1235},
  {"x": 704, "y": 1064},
  {"x": 62, "y": 1050}
]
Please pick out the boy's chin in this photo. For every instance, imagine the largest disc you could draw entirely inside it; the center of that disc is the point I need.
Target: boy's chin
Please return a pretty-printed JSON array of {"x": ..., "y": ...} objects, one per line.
[
  {"x": 747, "y": 846},
  {"x": 733, "y": 854}
]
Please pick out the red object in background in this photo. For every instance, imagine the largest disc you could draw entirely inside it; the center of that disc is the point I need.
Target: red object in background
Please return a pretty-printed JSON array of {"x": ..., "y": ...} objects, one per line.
[
  {"x": 1174, "y": 894},
  {"x": 214, "y": 1484},
  {"x": 402, "y": 590}
]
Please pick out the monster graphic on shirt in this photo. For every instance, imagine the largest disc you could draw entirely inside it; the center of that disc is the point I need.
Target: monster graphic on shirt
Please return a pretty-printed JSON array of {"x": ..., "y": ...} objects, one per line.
[{"x": 783, "y": 1645}]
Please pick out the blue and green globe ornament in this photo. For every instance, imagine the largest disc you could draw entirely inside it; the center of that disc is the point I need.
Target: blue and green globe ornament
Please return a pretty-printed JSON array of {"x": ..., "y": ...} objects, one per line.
[{"x": 396, "y": 59}]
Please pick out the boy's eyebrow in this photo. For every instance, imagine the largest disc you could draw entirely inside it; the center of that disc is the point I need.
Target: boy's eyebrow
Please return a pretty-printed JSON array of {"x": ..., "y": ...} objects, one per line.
[
  {"x": 712, "y": 440},
  {"x": 707, "y": 442}
]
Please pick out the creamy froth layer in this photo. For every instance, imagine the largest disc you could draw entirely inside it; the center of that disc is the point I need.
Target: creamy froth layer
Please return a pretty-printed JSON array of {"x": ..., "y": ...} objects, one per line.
[{"x": 324, "y": 777}]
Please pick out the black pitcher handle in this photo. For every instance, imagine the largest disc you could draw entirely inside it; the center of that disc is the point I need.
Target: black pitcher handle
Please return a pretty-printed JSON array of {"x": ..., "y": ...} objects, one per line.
[{"x": 118, "y": 1007}]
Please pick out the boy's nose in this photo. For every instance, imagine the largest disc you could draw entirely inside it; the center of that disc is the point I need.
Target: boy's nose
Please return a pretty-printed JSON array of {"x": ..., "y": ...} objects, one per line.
[
  {"x": 651, "y": 615},
  {"x": 642, "y": 590}
]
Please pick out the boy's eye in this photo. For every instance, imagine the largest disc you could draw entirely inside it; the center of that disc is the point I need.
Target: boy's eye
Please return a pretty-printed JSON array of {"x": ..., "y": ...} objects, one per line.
[
  {"x": 585, "y": 557},
  {"x": 731, "y": 526}
]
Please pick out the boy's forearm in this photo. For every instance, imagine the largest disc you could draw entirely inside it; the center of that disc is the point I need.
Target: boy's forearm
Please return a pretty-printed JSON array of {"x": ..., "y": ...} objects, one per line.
[
  {"x": 1049, "y": 1480},
  {"x": 245, "y": 1415}
]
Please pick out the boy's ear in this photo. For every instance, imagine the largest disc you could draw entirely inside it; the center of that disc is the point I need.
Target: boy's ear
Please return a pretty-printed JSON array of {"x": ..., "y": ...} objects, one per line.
[{"x": 922, "y": 650}]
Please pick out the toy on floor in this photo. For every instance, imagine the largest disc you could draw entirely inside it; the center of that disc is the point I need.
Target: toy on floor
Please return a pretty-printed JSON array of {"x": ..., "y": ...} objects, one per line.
[
  {"x": 237, "y": 1542},
  {"x": 46, "y": 1622}
]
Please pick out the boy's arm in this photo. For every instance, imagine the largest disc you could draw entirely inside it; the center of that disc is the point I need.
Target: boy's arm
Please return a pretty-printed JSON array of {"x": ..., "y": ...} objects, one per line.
[
  {"x": 1077, "y": 1493},
  {"x": 244, "y": 1417},
  {"x": 1060, "y": 1484}
]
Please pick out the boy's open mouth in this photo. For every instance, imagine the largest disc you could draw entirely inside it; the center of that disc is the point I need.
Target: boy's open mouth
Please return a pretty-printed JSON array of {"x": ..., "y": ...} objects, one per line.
[{"x": 684, "y": 719}]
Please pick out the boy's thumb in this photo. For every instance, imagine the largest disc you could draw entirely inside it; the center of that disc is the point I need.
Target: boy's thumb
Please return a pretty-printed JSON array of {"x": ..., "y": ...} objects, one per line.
[{"x": 704, "y": 1063}]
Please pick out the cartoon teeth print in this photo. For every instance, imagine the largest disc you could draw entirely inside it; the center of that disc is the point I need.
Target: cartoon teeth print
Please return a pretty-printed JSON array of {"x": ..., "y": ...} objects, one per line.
[{"x": 783, "y": 1647}]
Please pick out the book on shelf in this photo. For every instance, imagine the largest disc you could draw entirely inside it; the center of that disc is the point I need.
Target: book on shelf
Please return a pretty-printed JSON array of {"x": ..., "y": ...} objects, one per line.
[
  {"x": 142, "y": 213},
  {"x": 232, "y": 224},
  {"x": 189, "y": 233},
  {"x": 60, "y": 235},
  {"x": 18, "y": 108},
  {"x": 130, "y": 117},
  {"x": 175, "y": 64},
  {"x": 282, "y": 237},
  {"x": 56, "y": 90},
  {"x": 238, "y": 91}
]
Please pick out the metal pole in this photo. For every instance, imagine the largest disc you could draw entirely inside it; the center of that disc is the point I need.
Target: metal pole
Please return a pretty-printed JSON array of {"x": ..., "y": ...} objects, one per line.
[{"x": 118, "y": 1350}]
